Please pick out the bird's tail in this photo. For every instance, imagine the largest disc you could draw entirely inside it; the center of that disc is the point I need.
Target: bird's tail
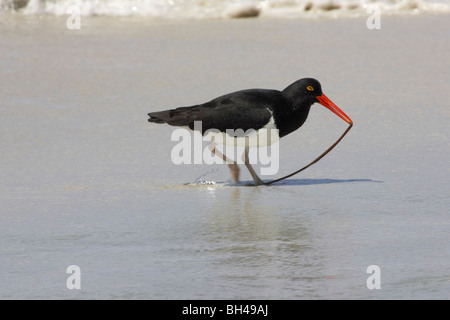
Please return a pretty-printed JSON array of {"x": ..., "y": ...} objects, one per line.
[
  {"x": 157, "y": 117},
  {"x": 175, "y": 117}
]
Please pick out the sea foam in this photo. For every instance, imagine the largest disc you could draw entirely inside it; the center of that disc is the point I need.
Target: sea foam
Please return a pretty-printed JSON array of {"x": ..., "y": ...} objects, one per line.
[{"x": 224, "y": 9}]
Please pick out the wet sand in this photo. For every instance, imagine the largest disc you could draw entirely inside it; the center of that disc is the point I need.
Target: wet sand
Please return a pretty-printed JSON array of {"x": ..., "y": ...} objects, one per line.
[{"x": 86, "y": 180}]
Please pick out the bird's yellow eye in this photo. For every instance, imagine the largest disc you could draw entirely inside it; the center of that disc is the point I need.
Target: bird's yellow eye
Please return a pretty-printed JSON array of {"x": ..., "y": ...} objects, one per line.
[{"x": 310, "y": 88}]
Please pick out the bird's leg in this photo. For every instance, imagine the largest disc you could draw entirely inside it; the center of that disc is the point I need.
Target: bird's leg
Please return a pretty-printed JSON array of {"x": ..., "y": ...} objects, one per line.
[
  {"x": 231, "y": 164},
  {"x": 255, "y": 177}
]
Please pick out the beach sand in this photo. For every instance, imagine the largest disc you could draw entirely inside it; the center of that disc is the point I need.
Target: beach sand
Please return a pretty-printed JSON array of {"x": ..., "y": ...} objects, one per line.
[{"x": 86, "y": 180}]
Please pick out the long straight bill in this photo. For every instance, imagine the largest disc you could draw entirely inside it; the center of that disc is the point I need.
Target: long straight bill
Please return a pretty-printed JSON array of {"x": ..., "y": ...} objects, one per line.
[{"x": 323, "y": 100}]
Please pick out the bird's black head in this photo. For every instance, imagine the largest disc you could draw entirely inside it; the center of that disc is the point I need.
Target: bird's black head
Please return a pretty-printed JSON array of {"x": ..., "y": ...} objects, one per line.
[{"x": 306, "y": 91}]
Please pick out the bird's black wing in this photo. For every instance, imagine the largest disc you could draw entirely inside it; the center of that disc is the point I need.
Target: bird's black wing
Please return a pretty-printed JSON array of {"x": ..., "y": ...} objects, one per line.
[{"x": 246, "y": 109}]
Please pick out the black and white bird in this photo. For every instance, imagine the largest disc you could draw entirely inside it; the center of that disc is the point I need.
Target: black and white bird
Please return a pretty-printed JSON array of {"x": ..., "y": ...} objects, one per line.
[{"x": 245, "y": 117}]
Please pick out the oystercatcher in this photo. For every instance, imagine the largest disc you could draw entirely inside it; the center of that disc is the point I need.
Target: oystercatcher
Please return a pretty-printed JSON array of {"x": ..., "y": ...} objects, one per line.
[{"x": 243, "y": 117}]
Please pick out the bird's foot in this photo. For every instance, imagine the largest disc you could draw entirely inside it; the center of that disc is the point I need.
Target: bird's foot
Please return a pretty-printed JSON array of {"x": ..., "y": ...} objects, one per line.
[
  {"x": 234, "y": 171},
  {"x": 257, "y": 181}
]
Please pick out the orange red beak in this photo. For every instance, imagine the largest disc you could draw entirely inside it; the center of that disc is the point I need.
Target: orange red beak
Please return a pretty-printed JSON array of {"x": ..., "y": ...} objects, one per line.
[{"x": 323, "y": 100}]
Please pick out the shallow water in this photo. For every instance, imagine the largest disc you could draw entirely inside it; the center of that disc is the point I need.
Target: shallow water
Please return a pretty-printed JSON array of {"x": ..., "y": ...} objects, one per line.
[{"x": 86, "y": 180}]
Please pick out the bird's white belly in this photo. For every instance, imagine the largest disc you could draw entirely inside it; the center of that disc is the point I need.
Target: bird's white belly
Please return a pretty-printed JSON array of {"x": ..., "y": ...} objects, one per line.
[{"x": 251, "y": 138}]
